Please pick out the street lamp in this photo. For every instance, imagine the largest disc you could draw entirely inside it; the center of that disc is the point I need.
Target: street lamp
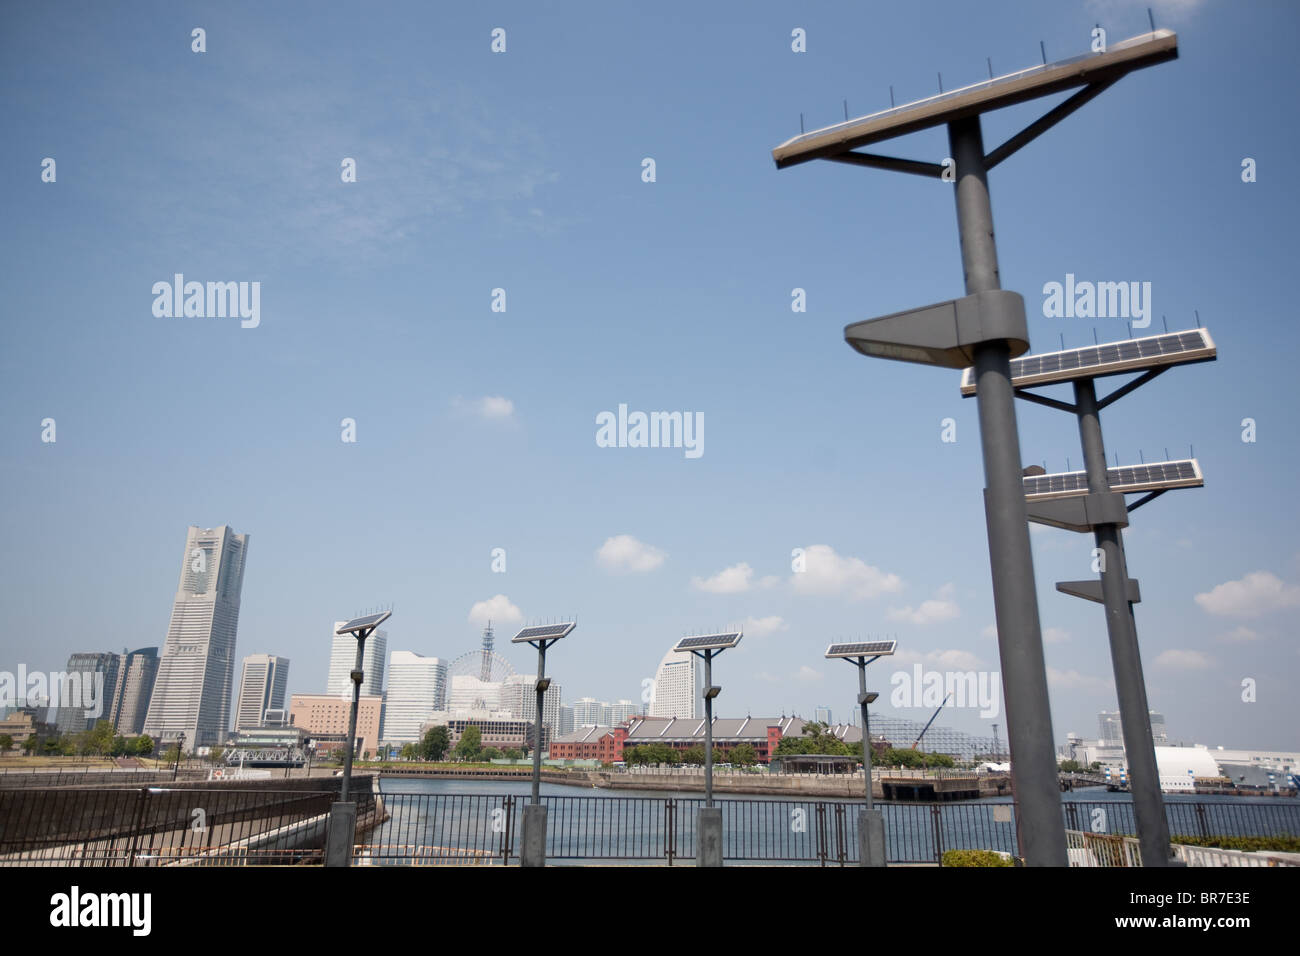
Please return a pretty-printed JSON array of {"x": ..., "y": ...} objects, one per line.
[
  {"x": 541, "y": 636},
  {"x": 180, "y": 746},
  {"x": 709, "y": 818},
  {"x": 343, "y": 813},
  {"x": 871, "y": 822},
  {"x": 986, "y": 329}
]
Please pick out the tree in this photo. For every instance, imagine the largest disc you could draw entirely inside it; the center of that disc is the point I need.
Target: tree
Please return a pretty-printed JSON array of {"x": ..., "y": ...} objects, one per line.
[
  {"x": 1070, "y": 766},
  {"x": 144, "y": 745},
  {"x": 407, "y": 752},
  {"x": 436, "y": 743},
  {"x": 6, "y": 742},
  {"x": 512, "y": 753},
  {"x": 30, "y": 744},
  {"x": 98, "y": 740},
  {"x": 694, "y": 755},
  {"x": 744, "y": 755},
  {"x": 471, "y": 742},
  {"x": 490, "y": 753},
  {"x": 172, "y": 754},
  {"x": 214, "y": 754},
  {"x": 119, "y": 746}
]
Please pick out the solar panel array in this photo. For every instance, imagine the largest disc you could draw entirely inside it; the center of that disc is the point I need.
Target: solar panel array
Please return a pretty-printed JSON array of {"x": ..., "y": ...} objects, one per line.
[
  {"x": 861, "y": 649},
  {"x": 542, "y": 632},
  {"x": 706, "y": 641},
  {"x": 1113, "y": 358},
  {"x": 369, "y": 620},
  {"x": 1152, "y": 477}
]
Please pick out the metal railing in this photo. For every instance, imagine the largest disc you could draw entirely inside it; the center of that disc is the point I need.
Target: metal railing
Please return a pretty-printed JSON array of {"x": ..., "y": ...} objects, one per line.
[
  {"x": 155, "y": 826},
  {"x": 224, "y": 826}
]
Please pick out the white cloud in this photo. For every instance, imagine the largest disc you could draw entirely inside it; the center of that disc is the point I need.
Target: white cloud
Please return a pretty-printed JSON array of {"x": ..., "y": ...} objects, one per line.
[
  {"x": 625, "y": 553},
  {"x": 953, "y": 659},
  {"x": 768, "y": 581},
  {"x": 763, "y": 626},
  {"x": 941, "y": 607},
  {"x": 497, "y": 609},
  {"x": 1239, "y": 635},
  {"x": 732, "y": 580},
  {"x": 1073, "y": 680},
  {"x": 1052, "y": 635},
  {"x": 1257, "y": 593},
  {"x": 489, "y": 408},
  {"x": 806, "y": 674},
  {"x": 991, "y": 631},
  {"x": 828, "y": 574},
  {"x": 1184, "y": 660}
]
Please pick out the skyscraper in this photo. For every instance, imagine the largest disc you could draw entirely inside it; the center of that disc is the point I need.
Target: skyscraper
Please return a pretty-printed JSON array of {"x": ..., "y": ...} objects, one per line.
[
  {"x": 136, "y": 674},
  {"x": 519, "y": 697},
  {"x": 417, "y": 686},
  {"x": 262, "y": 685},
  {"x": 91, "y": 678},
  {"x": 196, "y": 674},
  {"x": 679, "y": 686},
  {"x": 343, "y": 657}
]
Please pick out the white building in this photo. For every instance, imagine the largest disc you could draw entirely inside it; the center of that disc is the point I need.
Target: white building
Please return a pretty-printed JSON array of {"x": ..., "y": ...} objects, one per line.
[
  {"x": 589, "y": 712},
  {"x": 196, "y": 672},
  {"x": 623, "y": 711},
  {"x": 343, "y": 657},
  {"x": 519, "y": 697},
  {"x": 417, "y": 687},
  {"x": 679, "y": 686},
  {"x": 262, "y": 685}
]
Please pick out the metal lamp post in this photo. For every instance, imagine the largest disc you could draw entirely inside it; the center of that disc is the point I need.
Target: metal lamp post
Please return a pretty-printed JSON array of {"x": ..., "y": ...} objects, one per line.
[
  {"x": 871, "y": 822},
  {"x": 541, "y": 636},
  {"x": 709, "y": 819},
  {"x": 342, "y": 831}
]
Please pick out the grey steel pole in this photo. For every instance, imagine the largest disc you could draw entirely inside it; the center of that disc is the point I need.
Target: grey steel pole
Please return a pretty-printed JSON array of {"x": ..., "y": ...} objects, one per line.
[
  {"x": 537, "y": 727},
  {"x": 866, "y": 729},
  {"x": 352, "y": 720},
  {"x": 1029, "y": 717},
  {"x": 1121, "y": 628},
  {"x": 708, "y": 730}
]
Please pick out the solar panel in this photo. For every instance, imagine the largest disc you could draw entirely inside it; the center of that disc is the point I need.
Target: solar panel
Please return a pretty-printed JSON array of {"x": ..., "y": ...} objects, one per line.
[
  {"x": 1113, "y": 358},
  {"x": 361, "y": 623},
  {"x": 539, "y": 632},
  {"x": 862, "y": 649},
  {"x": 1129, "y": 478},
  {"x": 1018, "y": 87},
  {"x": 709, "y": 642}
]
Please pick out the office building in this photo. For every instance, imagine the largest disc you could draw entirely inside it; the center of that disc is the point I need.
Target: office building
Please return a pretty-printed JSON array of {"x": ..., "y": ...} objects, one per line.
[
  {"x": 196, "y": 673},
  {"x": 136, "y": 673},
  {"x": 567, "y": 724},
  {"x": 589, "y": 712},
  {"x": 621, "y": 712},
  {"x": 262, "y": 685},
  {"x": 325, "y": 719},
  {"x": 417, "y": 687},
  {"x": 85, "y": 691},
  {"x": 519, "y": 697},
  {"x": 343, "y": 657},
  {"x": 679, "y": 686}
]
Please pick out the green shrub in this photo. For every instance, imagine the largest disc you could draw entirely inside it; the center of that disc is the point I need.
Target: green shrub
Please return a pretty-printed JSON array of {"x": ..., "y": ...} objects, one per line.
[{"x": 974, "y": 858}]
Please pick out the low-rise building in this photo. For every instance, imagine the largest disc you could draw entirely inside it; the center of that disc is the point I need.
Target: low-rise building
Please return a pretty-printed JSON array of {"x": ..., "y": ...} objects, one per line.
[
  {"x": 325, "y": 719},
  {"x": 590, "y": 743}
]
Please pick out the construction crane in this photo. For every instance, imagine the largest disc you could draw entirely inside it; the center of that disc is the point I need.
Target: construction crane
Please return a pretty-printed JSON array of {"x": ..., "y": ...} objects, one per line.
[{"x": 929, "y": 722}]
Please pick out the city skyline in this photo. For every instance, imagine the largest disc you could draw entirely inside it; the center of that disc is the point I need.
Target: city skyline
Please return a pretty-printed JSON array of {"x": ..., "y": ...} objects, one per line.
[{"x": 421, "y": 412}]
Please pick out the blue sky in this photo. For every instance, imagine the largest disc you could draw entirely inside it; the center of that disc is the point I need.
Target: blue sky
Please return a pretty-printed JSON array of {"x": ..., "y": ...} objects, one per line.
[{"x": 476, "y": 429}]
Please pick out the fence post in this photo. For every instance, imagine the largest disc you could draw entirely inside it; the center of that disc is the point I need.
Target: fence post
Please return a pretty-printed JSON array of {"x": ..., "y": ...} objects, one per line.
[
  {"x": 935, "y": 819},
  {"x": 821, "y": 833},
  {"x": 670, "y": 829},
  {"x": 507, "y": 833},
  {"x": 1200, "y": 820},
  {"x": 134, "y": 847}
]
